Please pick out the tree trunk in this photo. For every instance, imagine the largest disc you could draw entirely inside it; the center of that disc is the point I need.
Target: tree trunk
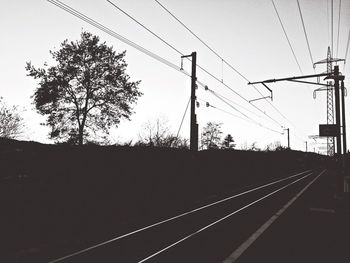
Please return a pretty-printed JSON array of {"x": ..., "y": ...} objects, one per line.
[
  {"x": 80, "y": 135},
  {"x": 81, "y": 131}
]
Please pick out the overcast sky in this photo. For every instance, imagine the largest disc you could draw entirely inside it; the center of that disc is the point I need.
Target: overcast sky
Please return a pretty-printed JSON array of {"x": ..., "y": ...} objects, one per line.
[{"x": 246, "y": 33}]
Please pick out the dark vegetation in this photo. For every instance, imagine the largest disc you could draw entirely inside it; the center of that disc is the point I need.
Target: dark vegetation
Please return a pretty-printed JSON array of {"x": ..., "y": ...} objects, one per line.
[{"x": 59, "y": 198}]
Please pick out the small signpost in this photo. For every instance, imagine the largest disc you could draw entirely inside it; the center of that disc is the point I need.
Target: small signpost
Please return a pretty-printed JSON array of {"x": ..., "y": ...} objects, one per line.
[{"x": 328, "y": 130}]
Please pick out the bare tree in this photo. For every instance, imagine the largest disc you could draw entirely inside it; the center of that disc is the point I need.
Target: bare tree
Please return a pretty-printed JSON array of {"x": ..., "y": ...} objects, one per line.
[
  {"x": 275, "y": 146},
  {"x": 11, "y": 123},
  {"x": 158, "y": 134},
  {"x": 254, "y": 147}
]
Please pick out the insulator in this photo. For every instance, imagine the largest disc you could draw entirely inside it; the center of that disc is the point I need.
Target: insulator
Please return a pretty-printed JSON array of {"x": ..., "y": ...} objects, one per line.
[
  {"x": 197, "y": 103},
  {"x": 206, "y": 87},
  {"x": 207, "y": 104}
]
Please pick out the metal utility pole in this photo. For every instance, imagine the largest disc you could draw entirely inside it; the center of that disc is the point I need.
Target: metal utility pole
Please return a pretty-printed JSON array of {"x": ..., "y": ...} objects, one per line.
[
  {"x": 337, "y": 107},
  {"x": 330, "y": 107},
  {"x": 305, "y": 146},
  {"x": 288, "y": 137},
  {"x": 193, "y": 124},
  {"x": 343, "y": 116}
]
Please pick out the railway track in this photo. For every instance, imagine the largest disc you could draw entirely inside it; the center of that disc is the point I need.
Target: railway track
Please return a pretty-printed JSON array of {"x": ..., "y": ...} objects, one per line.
[{"x": 209, "y": 233}]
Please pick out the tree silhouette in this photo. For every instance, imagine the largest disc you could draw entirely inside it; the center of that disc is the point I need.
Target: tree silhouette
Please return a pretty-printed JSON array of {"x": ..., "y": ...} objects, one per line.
[
  {"x": 158, "y": 134},
  {"x": 228, "y": 142},
  {"x": 211, "y": 136},
  {"x": 11, "y": 123},
  {"x": 86, "y": 92}
]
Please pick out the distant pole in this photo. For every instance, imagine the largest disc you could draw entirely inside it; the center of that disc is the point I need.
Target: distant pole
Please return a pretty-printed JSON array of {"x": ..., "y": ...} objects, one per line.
[
  {"x": 288, "y": 137},
  {"x": 306, "y": 146}
]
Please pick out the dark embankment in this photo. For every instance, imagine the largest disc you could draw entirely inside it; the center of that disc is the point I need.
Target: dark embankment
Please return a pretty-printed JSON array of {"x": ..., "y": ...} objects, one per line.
[{"x": 58, "y": 198}]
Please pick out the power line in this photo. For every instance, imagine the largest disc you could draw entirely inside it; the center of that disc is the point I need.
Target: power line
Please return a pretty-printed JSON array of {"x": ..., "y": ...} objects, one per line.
[
  {"x": 236, "y": 116},
  {"x": 307, "y": 40},
  {"x": 218, "y": 94},
  {"x": 231, "y": 106},
  {"x": 112, "y": 33},
  {"x": 285, "y": 34},
  {"x": 183, "y": 117},
  {"x": 347, "y": 48},
  {"x": 332, "y": 27},
  {"x": 222, "y": 60},
  {"x": 220, "y": 57},
  {"x": 146, "y": 28},
  {"x": 116, "y": 35},
  {"x": 327, "y": 8},
  {"x": 92, "y": 22},
  {"x": 338, "y": 27},
  {"x": 200, "y": 67},
  {"x": 204, "y": 43}
]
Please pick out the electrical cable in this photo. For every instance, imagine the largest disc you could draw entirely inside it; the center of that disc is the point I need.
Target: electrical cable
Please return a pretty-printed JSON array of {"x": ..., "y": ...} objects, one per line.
[
  {"x": 285, "y": 34},
  {"x": 196, "y": 36},
  {"x": 338, "y": 27},
  {"x": 346, "y": 52},
  {"x": 223, "y": 61},
  {"x": 305, "y": 33},
  {"x": 231, "y": 106},
  {"x": 332, "y": 27},
  {"x": 200, "y": 67},
  {"x": 242, "y": 107},
  {"x": 183, "y": 117},
  {"x": 146, "y": 28},
  {"x": 92, "y": 22},
  {"x": 328, "y": 38},
  {"x": 96, "y": 24},
  {"x": 236, "y": 116},
  {"x": 112, "y": 33}
]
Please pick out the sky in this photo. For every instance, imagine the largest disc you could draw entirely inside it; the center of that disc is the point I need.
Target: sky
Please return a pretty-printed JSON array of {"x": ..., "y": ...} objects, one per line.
[{"x": 245, "y": 33}]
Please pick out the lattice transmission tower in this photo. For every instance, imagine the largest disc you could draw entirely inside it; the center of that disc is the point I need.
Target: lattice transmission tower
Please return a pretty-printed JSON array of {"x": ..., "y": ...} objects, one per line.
[{"x": 330, "y": 98}]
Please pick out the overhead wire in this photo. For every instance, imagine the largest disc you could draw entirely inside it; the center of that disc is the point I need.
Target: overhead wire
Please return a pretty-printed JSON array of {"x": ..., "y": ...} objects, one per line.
[
  {"x": 289, "y": 43},
  {"x": 92, "y": 22},
  {"x": 242, "y": 107},
  {"x": 346, "y": 51},
  {"x": 224, "y": 61},
  {"x": 183, "y": 117},
  {"x": 332, "y": 39},
  {"x": 234, "y": 108},
  {"x": 112, "y": 33},
  {"x": 239, "y": 117},
  {"x": 305, "y": 33},
  {"x": 285, "y": 34},
  {"x": 200, "y": 67},
  {"x": 338, "y": 27},
  {"x": 328, "y": 33},
  {"x": 196, "y": 36}
]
